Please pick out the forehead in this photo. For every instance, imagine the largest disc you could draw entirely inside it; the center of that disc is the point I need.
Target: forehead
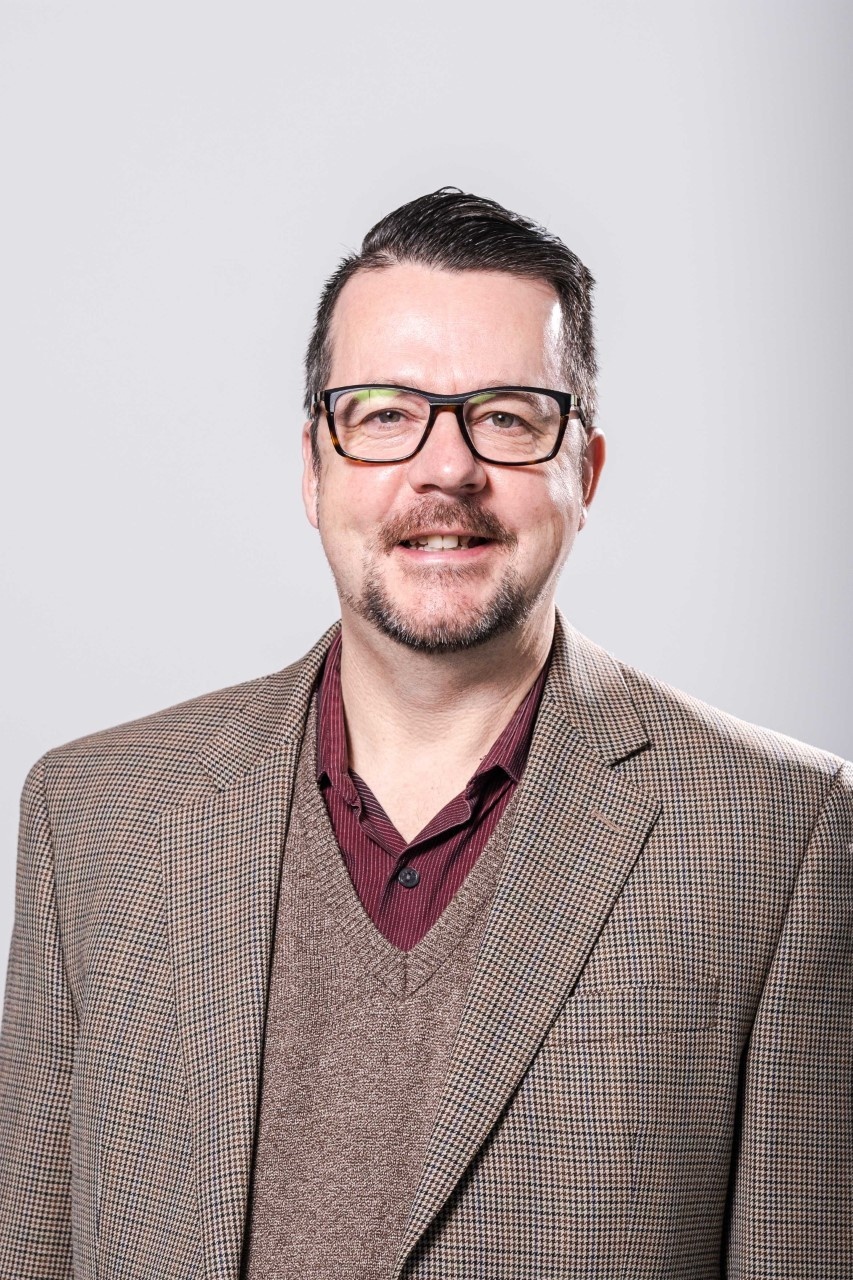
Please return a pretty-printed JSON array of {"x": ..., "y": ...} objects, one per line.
[{"x": 445, "y": 329}]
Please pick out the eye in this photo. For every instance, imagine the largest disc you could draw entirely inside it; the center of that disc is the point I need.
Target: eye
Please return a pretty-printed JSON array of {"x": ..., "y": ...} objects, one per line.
[
  {"x": 504, "y": 420},
  {"x": 386, "y": 417}
]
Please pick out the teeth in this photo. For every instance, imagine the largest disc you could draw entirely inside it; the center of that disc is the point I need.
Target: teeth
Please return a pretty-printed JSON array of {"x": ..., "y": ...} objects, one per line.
[{"x": 440, "y": 542}]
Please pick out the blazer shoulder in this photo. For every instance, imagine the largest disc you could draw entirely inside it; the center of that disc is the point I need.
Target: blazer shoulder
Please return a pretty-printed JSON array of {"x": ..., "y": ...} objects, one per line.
[
  {"x": 182, "y": 724},
  {"x": 158, "y": 757},
  {"x": 158, "y": 760},
  {"x": 679, "y": 722}
]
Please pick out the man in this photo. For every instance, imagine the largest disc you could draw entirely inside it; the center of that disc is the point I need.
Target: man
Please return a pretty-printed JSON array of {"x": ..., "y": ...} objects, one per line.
[{"x": 457, "y": 948}]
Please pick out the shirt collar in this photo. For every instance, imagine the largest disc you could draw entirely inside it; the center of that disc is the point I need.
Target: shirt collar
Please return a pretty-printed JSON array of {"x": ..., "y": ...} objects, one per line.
[
  {"x": 510, "y": 750},
  {"x": 332, "y": 754}
]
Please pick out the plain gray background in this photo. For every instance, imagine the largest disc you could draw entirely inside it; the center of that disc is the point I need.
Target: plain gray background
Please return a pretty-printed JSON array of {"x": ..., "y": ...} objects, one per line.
[{"x": 180, "y": 178}]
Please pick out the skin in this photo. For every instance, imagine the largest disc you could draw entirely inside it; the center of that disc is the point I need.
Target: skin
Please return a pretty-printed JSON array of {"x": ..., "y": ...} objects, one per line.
[{"x": 418, "y": 723}]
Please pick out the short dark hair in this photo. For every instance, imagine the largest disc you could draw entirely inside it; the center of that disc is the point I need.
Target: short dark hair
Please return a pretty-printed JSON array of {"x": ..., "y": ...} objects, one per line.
[{"x": 457, "y": 231}]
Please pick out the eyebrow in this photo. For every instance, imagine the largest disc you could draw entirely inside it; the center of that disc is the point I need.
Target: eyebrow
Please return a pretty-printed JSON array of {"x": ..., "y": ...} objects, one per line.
[{"x": 396, "y": 382}]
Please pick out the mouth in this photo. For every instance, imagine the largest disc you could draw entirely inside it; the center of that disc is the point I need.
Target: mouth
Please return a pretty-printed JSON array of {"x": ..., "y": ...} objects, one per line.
[
  {"x": 438, "y": 532},
  {"x": 443, "y": 542}
]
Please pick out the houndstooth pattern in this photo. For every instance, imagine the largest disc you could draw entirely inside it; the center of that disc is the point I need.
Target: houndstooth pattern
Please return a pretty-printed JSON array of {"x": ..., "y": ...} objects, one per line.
[{"x": 652, "y": 1076}]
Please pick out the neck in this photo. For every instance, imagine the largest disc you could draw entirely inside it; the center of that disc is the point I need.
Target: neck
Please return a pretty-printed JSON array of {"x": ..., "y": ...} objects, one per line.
[{"x": 442, "y": 711}]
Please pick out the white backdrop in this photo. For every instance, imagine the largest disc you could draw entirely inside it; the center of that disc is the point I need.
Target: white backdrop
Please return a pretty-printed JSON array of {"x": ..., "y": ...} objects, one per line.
[{"x": 180, "y": 178}]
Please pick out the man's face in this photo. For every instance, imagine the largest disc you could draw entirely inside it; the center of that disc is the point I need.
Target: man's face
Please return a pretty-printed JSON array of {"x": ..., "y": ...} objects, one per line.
[{"x": 447, "y": 332}]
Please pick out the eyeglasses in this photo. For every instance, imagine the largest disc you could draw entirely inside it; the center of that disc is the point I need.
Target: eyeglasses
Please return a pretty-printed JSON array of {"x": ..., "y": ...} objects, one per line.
[{"x": 511, "y": 426}]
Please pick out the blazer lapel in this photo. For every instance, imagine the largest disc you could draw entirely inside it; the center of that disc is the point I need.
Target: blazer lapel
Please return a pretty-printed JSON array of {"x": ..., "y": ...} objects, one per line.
[
  {"x": 221, "y": 856},
  {"x": 579, "y": 828}
]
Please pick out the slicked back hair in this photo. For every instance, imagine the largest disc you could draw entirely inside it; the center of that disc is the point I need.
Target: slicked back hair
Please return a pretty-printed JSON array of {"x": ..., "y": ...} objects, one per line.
[{"x": 452, "y": 230}]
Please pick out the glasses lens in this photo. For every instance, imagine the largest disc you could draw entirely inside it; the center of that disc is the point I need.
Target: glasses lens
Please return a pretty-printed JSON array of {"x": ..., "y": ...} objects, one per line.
[
  {"x": 373, "y": 423},
  {"x": 513, "y": 426}
]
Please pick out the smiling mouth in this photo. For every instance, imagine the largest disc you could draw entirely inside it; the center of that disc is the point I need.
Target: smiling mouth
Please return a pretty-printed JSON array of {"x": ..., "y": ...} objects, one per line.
[
  {"x": 443, "y": 542},
  {"x": 432, "y": 525}
]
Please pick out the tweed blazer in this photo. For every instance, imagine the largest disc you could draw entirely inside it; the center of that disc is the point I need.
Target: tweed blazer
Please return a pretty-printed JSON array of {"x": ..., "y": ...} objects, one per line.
[{"x": 652, "y": 1075}]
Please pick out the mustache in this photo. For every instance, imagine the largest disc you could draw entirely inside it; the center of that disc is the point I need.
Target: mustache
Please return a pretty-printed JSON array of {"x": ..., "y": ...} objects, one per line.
[{"x": 464, "y": 515}]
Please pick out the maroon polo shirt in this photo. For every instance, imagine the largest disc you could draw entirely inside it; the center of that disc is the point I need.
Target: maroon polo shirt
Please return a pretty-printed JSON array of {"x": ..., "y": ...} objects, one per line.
[{"x": 405, "y": 887}]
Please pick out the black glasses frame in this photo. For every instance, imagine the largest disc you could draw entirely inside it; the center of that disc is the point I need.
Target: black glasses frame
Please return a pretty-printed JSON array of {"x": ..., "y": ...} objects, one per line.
[{"x": 568, "y": 402}]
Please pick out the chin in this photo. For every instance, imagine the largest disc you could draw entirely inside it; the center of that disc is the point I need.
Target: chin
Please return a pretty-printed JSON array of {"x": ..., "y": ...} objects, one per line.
[{"x": 444, "y": 626}]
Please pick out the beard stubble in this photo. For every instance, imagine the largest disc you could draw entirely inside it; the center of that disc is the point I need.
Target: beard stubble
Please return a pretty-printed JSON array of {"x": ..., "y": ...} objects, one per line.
[{"x": 447, "y": 631}]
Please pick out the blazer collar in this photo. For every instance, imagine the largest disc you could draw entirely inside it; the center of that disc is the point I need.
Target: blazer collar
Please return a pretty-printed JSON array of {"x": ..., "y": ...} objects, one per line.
[
  {"x": 586, "y": 683},
  {"x": 273, "y": 717}
]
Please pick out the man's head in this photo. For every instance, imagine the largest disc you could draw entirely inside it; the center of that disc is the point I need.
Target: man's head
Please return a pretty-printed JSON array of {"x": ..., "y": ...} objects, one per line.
[
  {"x": 450, "y": 230},
  {"x": 452, "y": 294}
]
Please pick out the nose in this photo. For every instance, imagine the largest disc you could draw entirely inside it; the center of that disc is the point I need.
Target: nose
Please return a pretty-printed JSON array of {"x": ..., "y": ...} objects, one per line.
[{"x": 445, "y": 462}]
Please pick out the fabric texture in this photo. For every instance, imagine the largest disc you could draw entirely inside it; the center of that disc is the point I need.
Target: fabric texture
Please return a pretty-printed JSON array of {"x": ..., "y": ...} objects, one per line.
[
  {"x": 446, "y": 849},
  {"x": 357, "y": 1043},
  {"x": 652, "y": 1072}
]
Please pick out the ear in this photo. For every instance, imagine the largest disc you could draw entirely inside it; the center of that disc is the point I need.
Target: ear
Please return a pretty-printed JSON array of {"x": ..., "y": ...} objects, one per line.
[
  {"x": 310, "y": 477},
  {"x": 593, "y": 464}
]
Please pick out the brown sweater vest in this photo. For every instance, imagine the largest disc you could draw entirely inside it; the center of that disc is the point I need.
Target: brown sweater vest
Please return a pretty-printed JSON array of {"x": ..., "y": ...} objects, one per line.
[{"x": 358, "y": 1041}]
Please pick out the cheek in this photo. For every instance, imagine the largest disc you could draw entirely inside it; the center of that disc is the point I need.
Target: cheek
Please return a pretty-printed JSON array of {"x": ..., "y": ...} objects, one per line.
[
  {"x": 557, "y": 514},
  {"x": 564, "y": 488},
  {"x": 557, "y": 511},
  {"x": 353, "y": 501}
]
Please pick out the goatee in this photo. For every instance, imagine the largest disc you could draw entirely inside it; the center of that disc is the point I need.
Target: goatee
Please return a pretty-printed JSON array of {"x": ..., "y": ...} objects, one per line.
[{"x": 448, "y": 634}]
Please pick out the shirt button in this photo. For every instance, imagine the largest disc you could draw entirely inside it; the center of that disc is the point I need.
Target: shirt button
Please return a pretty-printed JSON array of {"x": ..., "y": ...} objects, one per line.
[{"x": 408, "y": 877}]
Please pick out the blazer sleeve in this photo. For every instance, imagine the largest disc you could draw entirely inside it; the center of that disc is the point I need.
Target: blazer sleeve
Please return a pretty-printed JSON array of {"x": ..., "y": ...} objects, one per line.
[
  {"x": 36, "y": 1057},
  {"x": 792, "y": 1208}
]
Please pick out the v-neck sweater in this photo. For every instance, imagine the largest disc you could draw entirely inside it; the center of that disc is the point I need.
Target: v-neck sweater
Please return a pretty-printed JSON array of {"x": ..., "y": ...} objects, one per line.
[{"x": 358, "y": 1041}]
